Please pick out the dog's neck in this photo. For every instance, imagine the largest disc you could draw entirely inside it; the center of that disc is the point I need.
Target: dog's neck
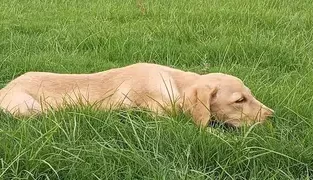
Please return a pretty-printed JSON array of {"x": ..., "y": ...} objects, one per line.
[{"x": 184, "y": 80}]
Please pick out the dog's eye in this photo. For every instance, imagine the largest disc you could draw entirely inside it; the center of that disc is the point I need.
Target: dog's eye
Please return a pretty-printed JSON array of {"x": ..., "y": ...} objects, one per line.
[{"x": 241, "y": 100}]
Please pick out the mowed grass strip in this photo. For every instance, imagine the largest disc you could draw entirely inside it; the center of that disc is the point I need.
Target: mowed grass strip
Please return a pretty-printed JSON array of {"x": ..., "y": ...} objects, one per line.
[{"x": 267, "y": 43}]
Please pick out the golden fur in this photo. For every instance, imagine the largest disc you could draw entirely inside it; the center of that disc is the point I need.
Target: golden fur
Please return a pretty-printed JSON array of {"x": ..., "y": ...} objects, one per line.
[{"x": 144, "y": 85}]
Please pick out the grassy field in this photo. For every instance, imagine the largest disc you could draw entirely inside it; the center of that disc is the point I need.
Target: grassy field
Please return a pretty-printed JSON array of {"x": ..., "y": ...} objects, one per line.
[{"x": 267, "y": 43}]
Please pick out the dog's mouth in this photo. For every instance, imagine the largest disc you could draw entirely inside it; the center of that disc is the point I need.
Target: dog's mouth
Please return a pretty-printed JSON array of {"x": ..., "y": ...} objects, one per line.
[
  {"x": 230, "y": 123},
  {"x": 220, "y": 124}
]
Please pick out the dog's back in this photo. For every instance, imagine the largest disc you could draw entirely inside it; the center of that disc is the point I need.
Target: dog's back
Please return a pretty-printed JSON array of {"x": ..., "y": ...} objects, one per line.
[{"x": 140, "y": 84}]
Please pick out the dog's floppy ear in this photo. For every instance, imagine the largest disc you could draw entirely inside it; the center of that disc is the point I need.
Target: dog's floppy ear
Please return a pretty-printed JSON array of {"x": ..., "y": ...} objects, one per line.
[{"x": 197, "y": 101}]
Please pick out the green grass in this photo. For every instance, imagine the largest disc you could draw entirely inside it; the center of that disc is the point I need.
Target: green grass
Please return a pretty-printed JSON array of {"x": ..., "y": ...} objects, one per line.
[{"x": 267, "y": 43}]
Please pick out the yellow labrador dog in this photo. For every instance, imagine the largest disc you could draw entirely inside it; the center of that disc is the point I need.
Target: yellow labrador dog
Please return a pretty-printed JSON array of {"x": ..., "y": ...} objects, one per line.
[{"x": 145, "y": 85}]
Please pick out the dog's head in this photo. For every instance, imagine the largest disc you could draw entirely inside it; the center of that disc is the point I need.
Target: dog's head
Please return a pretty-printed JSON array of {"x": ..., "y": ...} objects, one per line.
[{"x": 227, "y": 99}]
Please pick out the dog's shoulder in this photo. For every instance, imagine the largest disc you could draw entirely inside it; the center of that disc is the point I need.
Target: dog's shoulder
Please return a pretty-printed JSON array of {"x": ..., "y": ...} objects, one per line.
[{"x": 151, "y": 67}]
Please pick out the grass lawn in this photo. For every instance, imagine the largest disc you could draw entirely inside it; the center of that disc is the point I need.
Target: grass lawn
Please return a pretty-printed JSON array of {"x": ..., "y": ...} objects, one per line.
[{"x": 267, "y": 43}]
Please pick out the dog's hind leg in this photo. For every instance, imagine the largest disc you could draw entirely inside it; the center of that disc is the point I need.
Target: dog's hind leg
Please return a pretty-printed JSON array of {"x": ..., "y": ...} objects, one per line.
[{"x": 20, "y": 104}]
